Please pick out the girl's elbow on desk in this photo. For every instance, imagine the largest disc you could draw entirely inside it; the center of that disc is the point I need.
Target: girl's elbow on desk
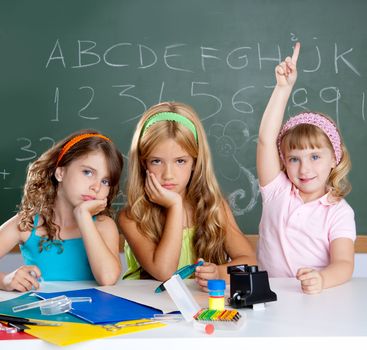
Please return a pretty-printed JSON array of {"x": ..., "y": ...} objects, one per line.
[
  {"x": 161, "y": 270},
  {"x": 338, "y": 274},
  {"x": 163, "y": 274},
  {"x": 109, "y": 277},
  {"x": 108, "y": 280}
]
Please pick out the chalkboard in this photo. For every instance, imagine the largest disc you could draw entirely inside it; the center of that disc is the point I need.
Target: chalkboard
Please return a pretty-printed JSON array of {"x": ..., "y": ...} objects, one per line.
[{"x": 66, "y": 65}]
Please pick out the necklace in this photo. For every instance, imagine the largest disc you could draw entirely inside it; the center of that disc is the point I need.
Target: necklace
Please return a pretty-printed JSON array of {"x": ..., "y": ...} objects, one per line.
[
  {"x": 186, "y": 224},
  {"x": 47, "y": 244}
]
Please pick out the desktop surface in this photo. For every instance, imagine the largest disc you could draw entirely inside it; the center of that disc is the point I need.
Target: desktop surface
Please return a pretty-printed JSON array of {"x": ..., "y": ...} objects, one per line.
[{"x": 337, "y": 312}]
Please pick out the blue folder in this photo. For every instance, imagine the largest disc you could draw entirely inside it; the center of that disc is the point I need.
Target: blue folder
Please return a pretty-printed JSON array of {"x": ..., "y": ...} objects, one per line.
[{"x": 105, "y": 307}]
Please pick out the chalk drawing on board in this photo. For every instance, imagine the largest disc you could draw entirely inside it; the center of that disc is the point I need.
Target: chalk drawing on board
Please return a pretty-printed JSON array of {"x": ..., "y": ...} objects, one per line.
[{"x": 234, "y": 149}]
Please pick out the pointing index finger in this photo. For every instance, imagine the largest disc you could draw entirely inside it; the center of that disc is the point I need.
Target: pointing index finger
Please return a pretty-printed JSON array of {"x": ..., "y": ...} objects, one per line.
[{"x": 295, "y": 55}]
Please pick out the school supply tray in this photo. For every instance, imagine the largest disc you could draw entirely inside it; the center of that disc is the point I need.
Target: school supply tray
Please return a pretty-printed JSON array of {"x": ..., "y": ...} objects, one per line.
[
  {"x": 221, "y": 319},
  {"x": 218, "y": 319}
]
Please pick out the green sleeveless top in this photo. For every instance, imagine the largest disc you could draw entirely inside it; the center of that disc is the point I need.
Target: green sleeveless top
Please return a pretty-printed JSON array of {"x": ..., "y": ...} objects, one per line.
[{"x": 135, "y": 271}]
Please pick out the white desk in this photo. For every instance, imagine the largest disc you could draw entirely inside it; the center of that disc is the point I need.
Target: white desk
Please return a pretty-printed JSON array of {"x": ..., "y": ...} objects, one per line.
[{"x": 339, "y": 312}]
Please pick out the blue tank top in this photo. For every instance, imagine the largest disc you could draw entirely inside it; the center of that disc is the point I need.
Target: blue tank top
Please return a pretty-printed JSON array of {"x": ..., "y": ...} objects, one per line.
[{"x": 61, "y": 261}]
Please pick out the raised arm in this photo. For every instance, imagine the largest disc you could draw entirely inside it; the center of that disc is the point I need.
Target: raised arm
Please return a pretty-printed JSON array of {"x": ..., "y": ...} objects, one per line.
[{"x": 268, "y": 160}]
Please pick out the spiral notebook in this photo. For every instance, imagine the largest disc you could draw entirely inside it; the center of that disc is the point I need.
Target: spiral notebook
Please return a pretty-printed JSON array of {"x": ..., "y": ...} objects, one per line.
[{"x": 105, "y": 307}]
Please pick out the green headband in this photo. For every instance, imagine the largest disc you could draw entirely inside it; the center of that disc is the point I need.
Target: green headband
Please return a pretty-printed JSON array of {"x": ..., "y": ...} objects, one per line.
[{"x": 170, "y": 116}]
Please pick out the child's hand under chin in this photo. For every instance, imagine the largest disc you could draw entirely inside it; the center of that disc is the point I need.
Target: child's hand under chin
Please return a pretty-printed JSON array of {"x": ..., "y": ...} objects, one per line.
[
  {"x": 92, "y": 207},
  {"x": 158, "y": 194}
]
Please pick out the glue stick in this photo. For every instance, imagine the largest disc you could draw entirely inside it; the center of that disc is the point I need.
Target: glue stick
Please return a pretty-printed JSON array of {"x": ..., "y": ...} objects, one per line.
[{"x": 216, "y": 294}]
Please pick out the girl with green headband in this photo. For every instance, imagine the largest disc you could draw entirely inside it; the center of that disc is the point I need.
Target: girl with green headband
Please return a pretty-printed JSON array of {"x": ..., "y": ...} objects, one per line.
[{"x": 175, "y": 211}]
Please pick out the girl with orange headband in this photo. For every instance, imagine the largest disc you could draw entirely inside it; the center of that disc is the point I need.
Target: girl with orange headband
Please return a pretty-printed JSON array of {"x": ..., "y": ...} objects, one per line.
[
  {"x": 175, "y": 211},
  {"x": 307, "y": 229},
  {"x": 64, "y": 226}
]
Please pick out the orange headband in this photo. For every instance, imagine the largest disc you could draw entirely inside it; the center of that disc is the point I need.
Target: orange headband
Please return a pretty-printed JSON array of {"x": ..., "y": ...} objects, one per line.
[{"x": 75, "y": 140}]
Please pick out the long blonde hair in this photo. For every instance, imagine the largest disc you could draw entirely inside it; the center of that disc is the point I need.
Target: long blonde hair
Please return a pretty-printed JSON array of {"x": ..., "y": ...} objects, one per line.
[
  {"x": 40, "y": 189},
  {"x": 203, "y": 193},
  {"x": 305, "y": 136}
]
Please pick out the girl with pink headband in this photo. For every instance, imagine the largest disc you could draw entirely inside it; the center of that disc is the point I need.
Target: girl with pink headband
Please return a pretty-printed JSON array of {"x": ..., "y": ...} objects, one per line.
[
  {"x": 64, "y": 226},
  {"x": 307, "y": 229}
]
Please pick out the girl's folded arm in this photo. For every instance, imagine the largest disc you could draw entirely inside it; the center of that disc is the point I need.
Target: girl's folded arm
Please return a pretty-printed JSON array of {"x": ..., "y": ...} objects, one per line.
[
  {"x": 9, "y": 235},
  {"x": 160, "y": 259},
  {"x": 20, "y": 279},
  {"x": 101, "y": 242},
  {"x": 341, "y": 264}
]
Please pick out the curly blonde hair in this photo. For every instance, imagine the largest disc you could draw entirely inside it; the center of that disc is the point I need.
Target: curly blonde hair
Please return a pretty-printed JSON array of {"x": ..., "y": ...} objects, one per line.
[
  {"x": 203, "y": 192},
  {"x": 40, "y": 189},
  {"x": 305, "y": 136}
]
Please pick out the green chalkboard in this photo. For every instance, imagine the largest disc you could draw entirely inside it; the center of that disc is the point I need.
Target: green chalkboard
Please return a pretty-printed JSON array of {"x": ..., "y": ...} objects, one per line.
[{"x": 66, "y": 65}]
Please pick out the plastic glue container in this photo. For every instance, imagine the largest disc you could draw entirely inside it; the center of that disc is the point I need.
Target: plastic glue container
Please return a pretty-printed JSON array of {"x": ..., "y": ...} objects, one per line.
[
  {"x": 216, "y": 294},
  {"x": 53, "y": 306}
]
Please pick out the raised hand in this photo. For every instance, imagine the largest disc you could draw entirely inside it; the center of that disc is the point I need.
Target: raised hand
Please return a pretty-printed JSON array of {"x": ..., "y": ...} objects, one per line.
[
  {"x": 286, "y": 71},
  {"x": 158, "y": 194}
]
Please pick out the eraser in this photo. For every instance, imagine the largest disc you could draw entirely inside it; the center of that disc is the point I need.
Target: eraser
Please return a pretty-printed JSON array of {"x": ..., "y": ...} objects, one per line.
[{"x": 207, "y": 328}]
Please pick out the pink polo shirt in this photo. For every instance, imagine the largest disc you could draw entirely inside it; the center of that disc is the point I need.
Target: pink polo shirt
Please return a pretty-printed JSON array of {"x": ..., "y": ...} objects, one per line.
[{"x": 294, "y": 234}]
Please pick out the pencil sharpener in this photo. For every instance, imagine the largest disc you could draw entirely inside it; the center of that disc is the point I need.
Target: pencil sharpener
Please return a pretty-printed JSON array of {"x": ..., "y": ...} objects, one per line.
[{"x": 249, "y": 286}]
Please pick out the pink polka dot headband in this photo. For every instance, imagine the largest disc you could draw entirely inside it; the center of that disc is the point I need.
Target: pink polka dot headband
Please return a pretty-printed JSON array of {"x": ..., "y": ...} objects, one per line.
[{"x": 321, "y": 122}]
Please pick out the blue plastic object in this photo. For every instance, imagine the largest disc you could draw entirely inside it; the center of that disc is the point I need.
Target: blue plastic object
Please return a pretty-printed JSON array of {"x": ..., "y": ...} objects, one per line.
[
  {"x": 183, "y": 272},
  {"x": 216, "y": 287}
]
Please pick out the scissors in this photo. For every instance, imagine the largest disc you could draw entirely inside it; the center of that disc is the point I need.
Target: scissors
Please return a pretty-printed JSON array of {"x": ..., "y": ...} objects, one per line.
[
  {"x": 19, "y": 324},
  {"x": 7, "y": 329}
]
